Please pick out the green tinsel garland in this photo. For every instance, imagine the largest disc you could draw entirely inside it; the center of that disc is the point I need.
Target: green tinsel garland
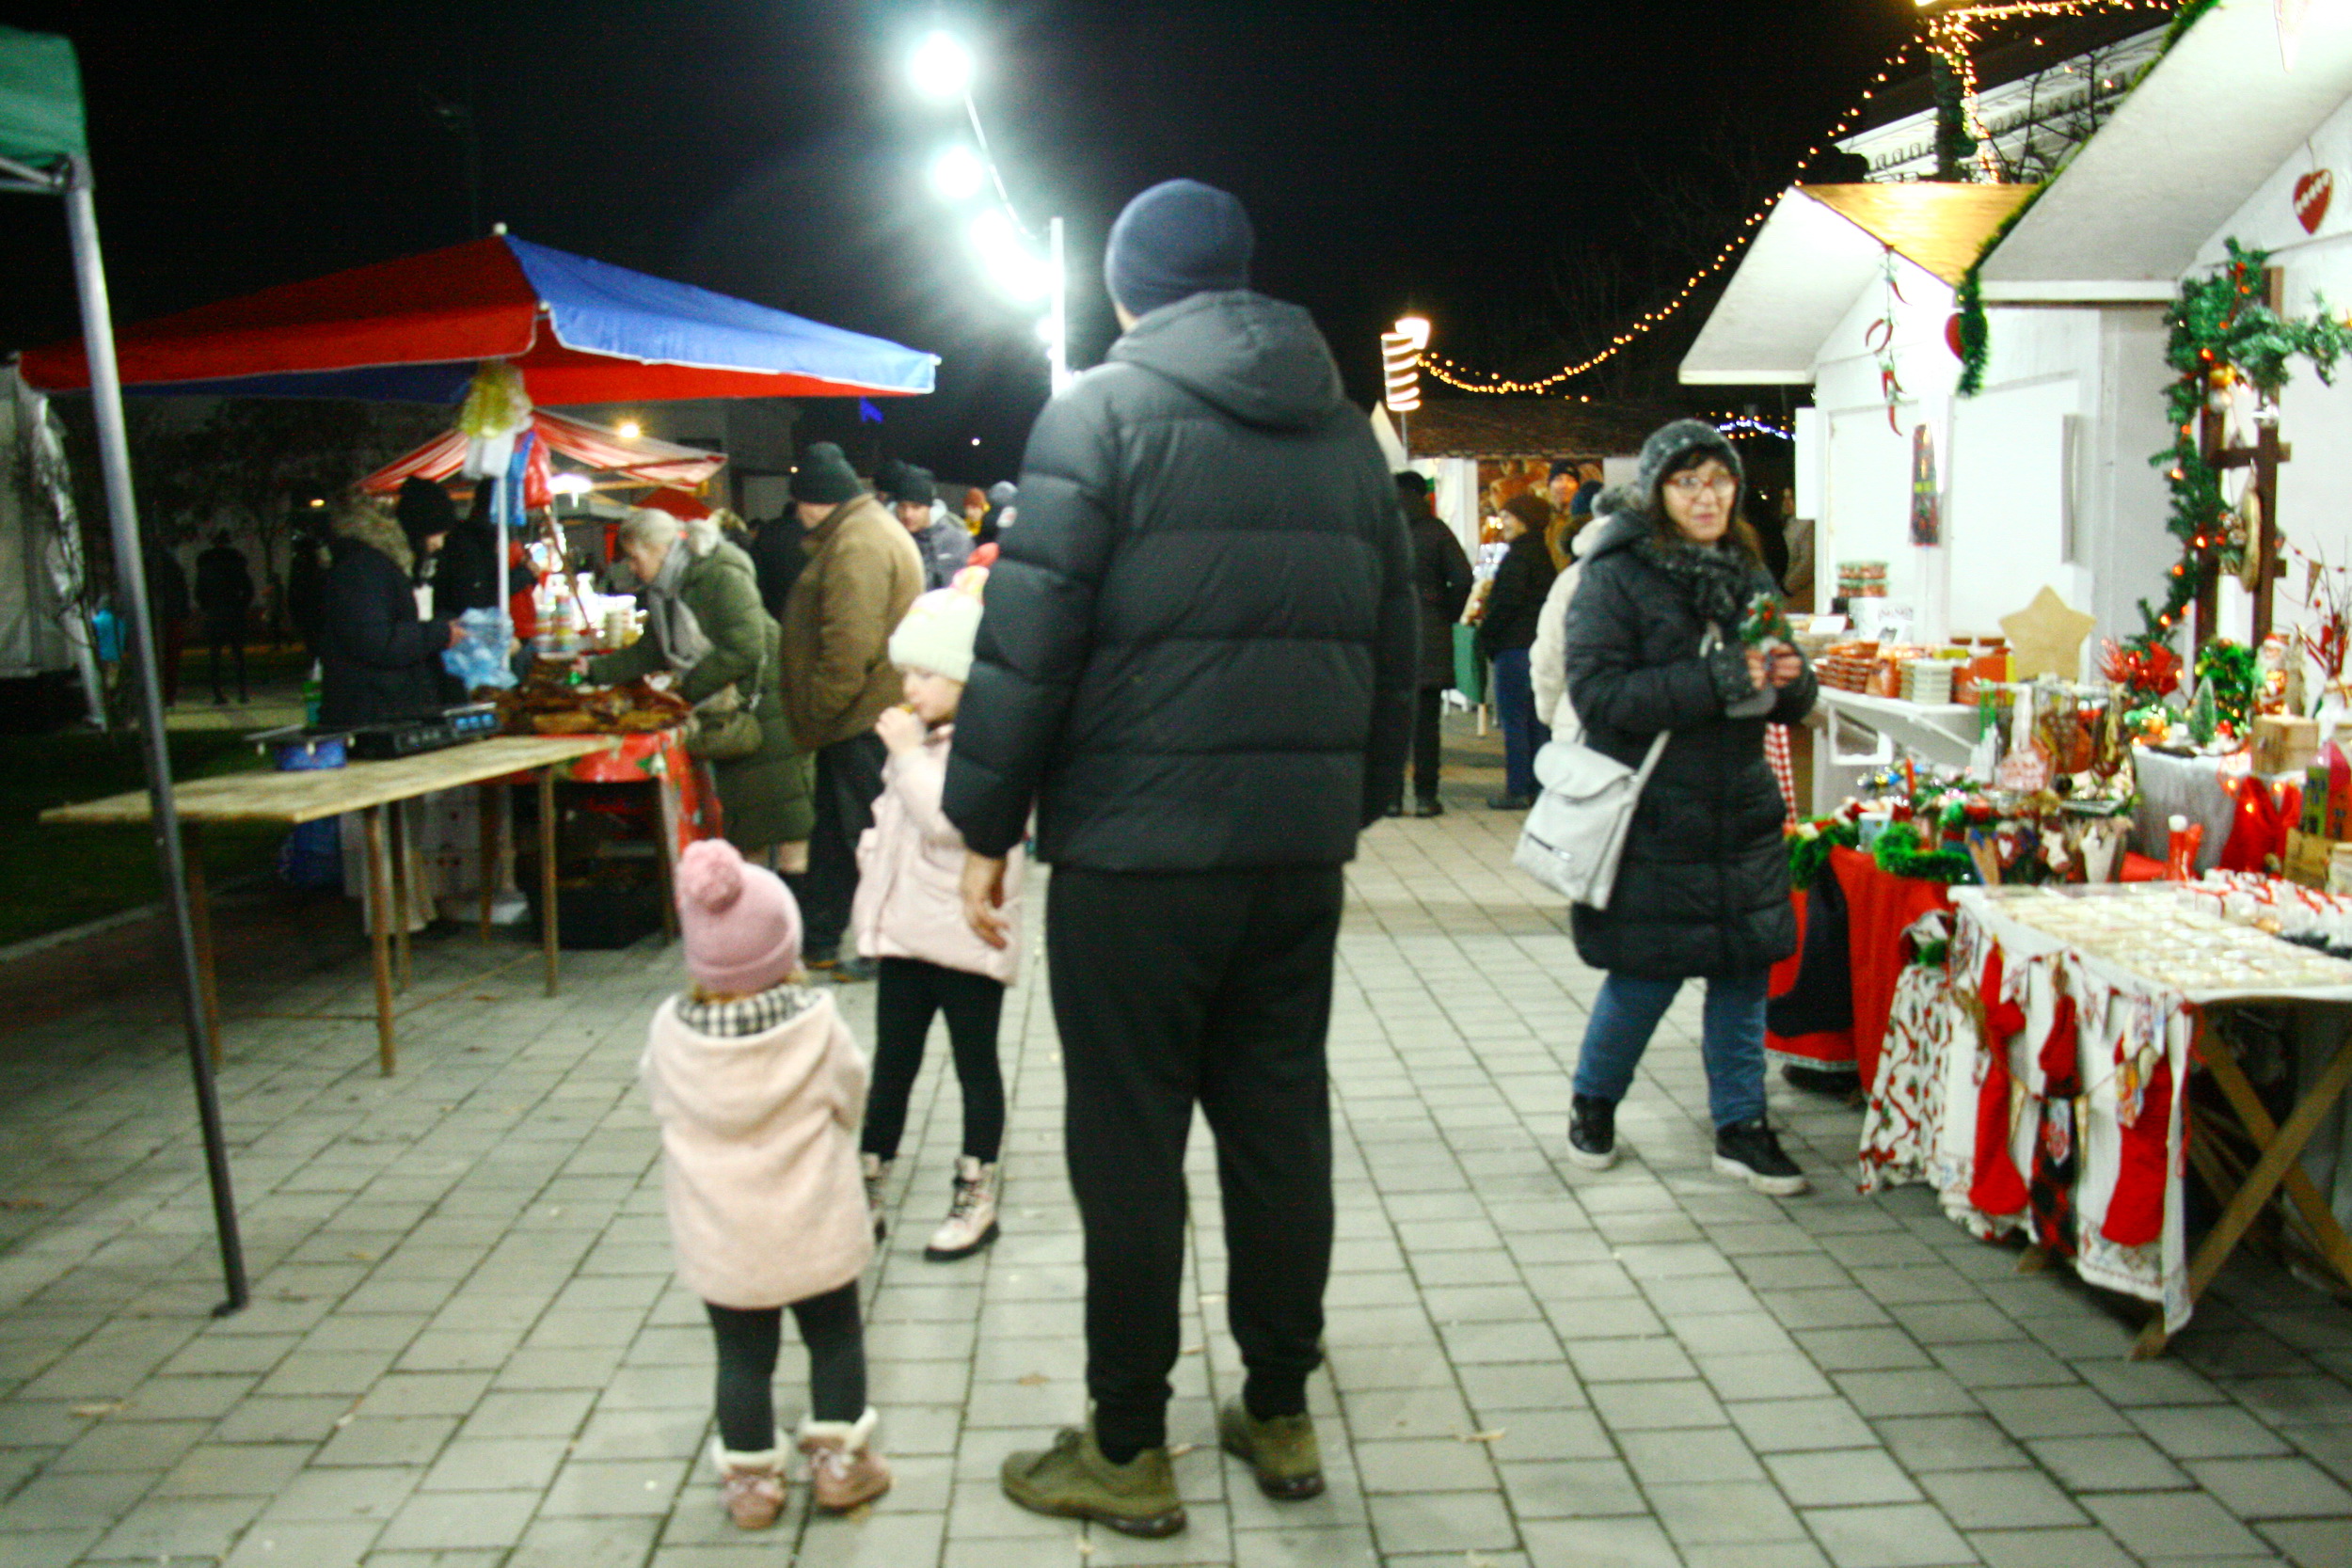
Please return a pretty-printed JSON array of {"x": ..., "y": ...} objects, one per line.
[
  {"x": 2183, "y": 20},
  {"x": 1898, "y": 853},
  {"x": 2222, "y": 321},
  {"x": 2228, "y": 669},
  {"x": 1808, "y": 854}
]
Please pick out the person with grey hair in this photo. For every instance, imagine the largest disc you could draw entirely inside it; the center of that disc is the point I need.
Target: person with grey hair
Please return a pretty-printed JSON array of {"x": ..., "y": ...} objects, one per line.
[{"x": 705, "y": 625}]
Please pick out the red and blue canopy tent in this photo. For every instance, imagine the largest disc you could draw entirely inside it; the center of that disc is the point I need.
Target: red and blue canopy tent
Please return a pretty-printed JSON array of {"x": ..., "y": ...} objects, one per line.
[{"x": 413, "y": 330}]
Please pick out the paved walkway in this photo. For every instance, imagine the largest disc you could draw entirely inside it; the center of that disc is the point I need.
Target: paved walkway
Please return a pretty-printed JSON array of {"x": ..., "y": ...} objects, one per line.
[{"x": 466, "y": 1351}]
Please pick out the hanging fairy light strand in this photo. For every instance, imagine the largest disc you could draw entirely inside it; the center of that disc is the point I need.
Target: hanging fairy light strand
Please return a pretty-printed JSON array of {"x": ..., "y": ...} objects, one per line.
[{"x": 1952, "y": 29}]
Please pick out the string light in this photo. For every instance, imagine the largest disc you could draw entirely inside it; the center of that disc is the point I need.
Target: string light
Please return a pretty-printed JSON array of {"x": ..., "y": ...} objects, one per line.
[
  {"x": 1740, "y": 425},
  {"x": 1464, "y": 378}
]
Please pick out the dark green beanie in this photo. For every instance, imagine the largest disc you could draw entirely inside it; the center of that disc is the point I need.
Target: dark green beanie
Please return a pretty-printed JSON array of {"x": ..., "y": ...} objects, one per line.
[{"x": 824, "y": 477}]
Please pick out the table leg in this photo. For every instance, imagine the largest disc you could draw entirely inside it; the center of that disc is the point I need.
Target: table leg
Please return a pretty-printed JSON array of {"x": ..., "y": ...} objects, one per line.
[
  {"x": 404, "y": 971},
  {"x": 379, "y": 937},
  {"x": 547, "y": 870},
  {"x": 201, "y": 929},
  {"x": 2304, "y": 1193},
  {"x": 666, "y": 812},
  {"x": 486, "y": 806},
  {"x": 2281, "y": 1147}
]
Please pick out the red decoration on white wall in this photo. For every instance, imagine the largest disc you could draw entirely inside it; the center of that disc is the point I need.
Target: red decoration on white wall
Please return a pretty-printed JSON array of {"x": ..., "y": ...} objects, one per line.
[{"x": 2311, "y": 195}]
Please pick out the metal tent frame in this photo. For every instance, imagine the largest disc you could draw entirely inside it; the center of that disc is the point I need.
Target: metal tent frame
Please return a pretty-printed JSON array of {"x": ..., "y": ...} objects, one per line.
[{"x": 68, "y": 177}]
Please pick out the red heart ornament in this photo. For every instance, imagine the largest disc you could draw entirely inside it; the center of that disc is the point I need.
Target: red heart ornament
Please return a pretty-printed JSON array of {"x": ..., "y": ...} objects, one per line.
[{"x": 2311, "y": 195}]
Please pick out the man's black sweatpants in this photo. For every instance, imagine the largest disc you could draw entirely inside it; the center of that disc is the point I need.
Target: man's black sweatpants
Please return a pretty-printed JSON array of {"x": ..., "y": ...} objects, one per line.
[
  {"x": 849, "y": 782},
  {"x": 1171, "y": 987}
]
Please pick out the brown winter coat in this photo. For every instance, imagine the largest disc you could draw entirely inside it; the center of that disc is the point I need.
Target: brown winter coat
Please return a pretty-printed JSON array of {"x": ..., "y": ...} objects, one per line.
[{"x": 863, "y": 573}]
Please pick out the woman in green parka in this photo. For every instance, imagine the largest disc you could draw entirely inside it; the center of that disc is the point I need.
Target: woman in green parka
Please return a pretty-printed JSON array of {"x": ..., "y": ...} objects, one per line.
[{"x": 704, "y": 623}]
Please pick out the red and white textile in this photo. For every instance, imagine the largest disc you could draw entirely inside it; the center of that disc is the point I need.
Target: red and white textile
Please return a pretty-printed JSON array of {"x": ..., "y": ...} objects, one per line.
[{"x": 1903, "y": 1121}]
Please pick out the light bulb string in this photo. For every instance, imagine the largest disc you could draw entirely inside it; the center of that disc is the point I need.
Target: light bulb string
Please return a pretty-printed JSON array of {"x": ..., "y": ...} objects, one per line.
[{"x": 1957, "y": 25}]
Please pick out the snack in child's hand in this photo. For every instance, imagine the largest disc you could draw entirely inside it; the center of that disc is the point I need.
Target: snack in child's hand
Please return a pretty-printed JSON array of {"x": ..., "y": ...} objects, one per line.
[{"x": 1766, "y": 622}]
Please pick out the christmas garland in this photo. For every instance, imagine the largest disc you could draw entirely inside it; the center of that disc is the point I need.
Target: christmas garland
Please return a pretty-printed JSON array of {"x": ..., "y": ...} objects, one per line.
[
  {"x": 1810, "y": 845},
  {"x": 2222, "y": 332},
  {"x": 1899, "y": 853}
]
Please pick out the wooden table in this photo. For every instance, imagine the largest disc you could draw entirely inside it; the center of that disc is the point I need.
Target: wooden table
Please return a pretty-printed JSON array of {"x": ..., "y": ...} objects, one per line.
[
  {"x": 366, "y": 788},
  {"x": 2278, "y": 1146}
]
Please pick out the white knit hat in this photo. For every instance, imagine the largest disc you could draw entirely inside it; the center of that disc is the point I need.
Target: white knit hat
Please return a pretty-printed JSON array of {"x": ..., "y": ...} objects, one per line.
[{"x": 936, "y": 635}]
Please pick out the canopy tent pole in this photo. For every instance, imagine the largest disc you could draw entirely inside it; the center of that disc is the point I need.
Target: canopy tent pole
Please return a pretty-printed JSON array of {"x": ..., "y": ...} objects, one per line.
[{"x": 130, "y": 562}]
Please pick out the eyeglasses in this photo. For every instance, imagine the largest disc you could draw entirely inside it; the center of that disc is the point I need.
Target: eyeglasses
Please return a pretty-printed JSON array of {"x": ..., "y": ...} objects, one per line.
[{"x": 1690, "y": 486}]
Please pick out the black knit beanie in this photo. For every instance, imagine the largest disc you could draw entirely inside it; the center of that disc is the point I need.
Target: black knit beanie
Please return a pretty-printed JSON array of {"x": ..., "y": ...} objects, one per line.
[
  {"x": 1178, "y": 239},
  {"x": 824, "y": 477},
  {"x": 425, "y": 509}
]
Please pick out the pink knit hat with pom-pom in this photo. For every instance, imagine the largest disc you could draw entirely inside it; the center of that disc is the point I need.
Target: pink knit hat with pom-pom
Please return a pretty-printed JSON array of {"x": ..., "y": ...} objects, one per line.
[{"x": 743, "y": 928}]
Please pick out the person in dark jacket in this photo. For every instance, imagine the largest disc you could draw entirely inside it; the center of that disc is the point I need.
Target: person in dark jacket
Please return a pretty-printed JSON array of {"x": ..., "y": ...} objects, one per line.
[
  {"x": 1441, "y": 584},
  {"x": 909, "y": 492},
  {"x": 306, "y": 580},
  {"x": 1197, "y": 662},
  {"x": 1654, "y": 644},
  {"x": 168, "y": 607},
  {"x": 1505, "y": 632},
  {"x": 379, "y": 659},
  {"x": 777, "y": 558},
  {"x": 224, "y": 597},
  {"x": 465, "y": 571}
]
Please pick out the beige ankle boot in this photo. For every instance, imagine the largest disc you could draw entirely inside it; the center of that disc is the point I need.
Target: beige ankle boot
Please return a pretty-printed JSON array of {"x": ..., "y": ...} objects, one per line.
[
  {"x": 752, "y": 1483},
  {"x": 843, "y": 1468},
  {"x": 971, "y": 1222}
]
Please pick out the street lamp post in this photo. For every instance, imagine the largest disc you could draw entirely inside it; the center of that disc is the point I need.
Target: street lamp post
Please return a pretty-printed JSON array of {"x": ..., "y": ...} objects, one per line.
[{"x": 942, "y": 71}]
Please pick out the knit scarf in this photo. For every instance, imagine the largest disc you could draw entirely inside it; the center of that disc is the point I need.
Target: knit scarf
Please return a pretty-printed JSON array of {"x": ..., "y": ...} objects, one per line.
[
  {"x": 1718, "y": 579},
  {"x": 677, "y": 633}
]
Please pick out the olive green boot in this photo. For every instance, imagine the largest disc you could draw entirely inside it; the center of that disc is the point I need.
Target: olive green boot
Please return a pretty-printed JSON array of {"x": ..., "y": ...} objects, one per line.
[
  {"x": 1073, "y": 1480},
  {"x": 1281, "y": 1452}
]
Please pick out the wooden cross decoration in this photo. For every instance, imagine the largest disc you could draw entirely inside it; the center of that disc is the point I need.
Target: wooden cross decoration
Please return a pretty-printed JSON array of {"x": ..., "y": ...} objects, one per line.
[{"x": 2264, "y": 456}]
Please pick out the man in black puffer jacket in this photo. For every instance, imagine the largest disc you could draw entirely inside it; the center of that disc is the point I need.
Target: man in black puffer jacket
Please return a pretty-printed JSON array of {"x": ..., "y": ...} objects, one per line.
[{"x": 1199, "y": 659}]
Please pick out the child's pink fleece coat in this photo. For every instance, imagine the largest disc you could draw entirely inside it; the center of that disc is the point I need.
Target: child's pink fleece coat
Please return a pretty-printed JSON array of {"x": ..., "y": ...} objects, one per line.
[
  {"x": 759, "y": 1155},
  {"x": 910, "y": 875}
]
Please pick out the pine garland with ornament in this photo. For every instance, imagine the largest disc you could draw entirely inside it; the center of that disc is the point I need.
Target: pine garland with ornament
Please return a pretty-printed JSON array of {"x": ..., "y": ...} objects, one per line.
[{"x": 2222, "y": 332}]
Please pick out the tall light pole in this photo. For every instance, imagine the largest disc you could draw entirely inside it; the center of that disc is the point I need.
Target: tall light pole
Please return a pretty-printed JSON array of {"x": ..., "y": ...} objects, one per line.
[{"x": 967, "y": 175}]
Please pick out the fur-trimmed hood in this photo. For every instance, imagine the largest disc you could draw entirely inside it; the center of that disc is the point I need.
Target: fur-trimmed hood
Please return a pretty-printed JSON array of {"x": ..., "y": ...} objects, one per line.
[{"x": 368, "y": 525}]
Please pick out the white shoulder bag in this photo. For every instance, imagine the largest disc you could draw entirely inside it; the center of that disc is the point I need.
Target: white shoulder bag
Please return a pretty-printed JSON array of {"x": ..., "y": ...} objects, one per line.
[{"x": 1575, "y": 834}]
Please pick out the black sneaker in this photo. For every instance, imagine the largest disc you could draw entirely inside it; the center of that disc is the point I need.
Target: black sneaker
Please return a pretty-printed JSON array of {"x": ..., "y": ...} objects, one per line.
[
  {"x": 1749, "y": 1150},
  {"x": 1428, "y": 805},
  {"x": 1509, "y": 802},
  {"x": 854, "y": 971},
  {"x": 1593, "y": 1131}
]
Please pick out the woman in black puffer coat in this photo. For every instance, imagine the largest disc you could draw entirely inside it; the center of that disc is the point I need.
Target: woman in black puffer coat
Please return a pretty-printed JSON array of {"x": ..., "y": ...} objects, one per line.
[{"x": 1703, "y": 891}]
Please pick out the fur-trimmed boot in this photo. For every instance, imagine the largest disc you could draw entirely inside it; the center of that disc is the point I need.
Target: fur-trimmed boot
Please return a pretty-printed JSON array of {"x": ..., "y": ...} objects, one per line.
[
  {"x": 843, "y": 1468},
  {"x": 752, "y": 1483},
  {"x": 970, "y": 1222}
]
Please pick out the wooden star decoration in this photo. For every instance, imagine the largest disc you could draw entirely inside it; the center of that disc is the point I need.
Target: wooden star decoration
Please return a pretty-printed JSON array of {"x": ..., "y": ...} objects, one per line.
[{"x": 2046, "y": 637}]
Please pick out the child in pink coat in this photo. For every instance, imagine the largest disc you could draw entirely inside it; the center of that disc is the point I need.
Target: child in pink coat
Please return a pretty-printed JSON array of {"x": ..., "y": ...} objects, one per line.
[
  {"x": 758, "y": 1088},
  {"x": 909, "y": 916}
]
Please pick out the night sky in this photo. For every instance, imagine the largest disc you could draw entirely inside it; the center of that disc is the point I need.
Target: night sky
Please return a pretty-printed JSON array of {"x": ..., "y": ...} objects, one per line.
[{"x": 1459, "y": 157}]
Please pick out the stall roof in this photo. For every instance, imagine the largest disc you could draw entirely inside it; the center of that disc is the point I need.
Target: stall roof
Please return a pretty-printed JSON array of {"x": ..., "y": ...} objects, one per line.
[
  {"x": 639, "y": 458},
  {"x": 412, "y": 330},
  {"x": 1492, "y": 427},
  {"x": 2204, "y": 128},
  {"x": 1821, "y": 246}
]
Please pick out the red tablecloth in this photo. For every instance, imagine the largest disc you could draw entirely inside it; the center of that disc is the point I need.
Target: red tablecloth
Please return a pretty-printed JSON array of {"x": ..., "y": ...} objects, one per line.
[
  {"x": 651, "y": 758},
  {"x": 1880, "y": 906}
]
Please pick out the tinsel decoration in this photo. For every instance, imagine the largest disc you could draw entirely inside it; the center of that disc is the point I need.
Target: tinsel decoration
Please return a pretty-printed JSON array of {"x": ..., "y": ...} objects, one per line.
[
  {"x": 1766, "y": 622},
  {"x": 1809, "y": 844},
  {"x": 1899, "y": 853}
]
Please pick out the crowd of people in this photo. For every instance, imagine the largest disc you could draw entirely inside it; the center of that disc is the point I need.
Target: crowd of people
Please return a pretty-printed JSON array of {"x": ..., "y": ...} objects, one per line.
[{"x": 1212, "y": 654}]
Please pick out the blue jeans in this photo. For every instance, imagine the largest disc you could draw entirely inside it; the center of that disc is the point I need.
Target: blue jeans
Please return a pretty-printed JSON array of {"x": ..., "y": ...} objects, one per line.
[
  {"x": 1515, "y": 710},
  {"x": 1731, "y": 1040}
]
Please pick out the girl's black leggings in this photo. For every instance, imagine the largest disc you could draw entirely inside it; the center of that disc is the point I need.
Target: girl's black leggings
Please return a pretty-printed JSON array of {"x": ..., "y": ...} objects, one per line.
[
  {"x": 748, "y": 1338},
  {"x": 908, "y": 994}
]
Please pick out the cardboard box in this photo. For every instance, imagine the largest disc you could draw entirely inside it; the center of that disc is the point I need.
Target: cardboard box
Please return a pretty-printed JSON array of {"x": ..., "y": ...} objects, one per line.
[
  {"x": 2284, "y": 743},
  {"x": 2308, "y": 858}
]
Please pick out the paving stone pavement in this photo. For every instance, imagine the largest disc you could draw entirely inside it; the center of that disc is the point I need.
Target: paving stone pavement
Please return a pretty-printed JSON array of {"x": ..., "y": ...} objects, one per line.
[{"x": 466, "y": 1348}]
